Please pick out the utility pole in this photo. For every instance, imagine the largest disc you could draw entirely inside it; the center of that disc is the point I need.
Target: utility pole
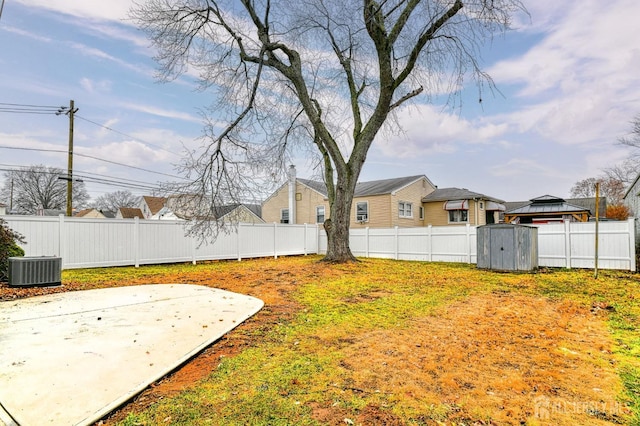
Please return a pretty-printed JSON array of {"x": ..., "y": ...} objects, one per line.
[
  {"x": 595, "y": 258},
  {"x": 70, "y": 112}
]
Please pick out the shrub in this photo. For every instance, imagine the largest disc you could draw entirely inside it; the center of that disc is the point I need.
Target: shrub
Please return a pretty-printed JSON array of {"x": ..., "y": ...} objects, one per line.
[
  {"x": 9, "y": 247},
  {"x": 618, "y": 212}
]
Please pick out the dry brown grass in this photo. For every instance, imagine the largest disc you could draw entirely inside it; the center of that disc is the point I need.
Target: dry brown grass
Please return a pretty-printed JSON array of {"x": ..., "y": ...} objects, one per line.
[{"x": 494, "y": 357}]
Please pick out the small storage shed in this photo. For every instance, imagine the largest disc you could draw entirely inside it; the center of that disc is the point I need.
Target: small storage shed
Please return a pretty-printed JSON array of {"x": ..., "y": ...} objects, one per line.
[{"x": 507, "y": 247}]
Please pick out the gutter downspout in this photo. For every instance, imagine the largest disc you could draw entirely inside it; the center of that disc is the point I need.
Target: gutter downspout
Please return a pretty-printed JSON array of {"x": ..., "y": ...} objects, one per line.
[{"x": 292, "y": 194}]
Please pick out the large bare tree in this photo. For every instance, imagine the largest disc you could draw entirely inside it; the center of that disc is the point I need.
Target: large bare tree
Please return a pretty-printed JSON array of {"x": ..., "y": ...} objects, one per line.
[
  {"x": 326, "y": 72},
  {"x": 112, "y": 201},
  {"x": 38, "y": 187}
]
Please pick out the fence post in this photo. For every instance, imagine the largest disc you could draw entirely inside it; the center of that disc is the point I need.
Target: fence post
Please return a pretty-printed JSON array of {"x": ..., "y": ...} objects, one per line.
[
  {"x": 396, "y": 240},
  {"x": 275, "y": 240},
  {"x": 468, "y": 229},
  {"x": 305, "y": 239},
  {"x": 238, "y": 241},
  {"x": 366, "y": 242},
  {"x": 136, "y": 245},
  {"x": 430, "y": 243},
  {"x": 631, "y": 224},
  {"x": 61, "y": 239},
  {"x": 194, "y": 249},
  {"x": 567, "y": 243}
]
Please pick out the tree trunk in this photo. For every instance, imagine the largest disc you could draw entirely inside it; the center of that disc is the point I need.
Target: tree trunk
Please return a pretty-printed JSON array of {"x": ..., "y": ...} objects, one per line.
[{"x": 337, "y": 226}]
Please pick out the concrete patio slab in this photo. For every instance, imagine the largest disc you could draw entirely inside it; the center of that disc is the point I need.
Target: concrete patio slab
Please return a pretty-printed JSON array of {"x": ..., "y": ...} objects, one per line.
[{"x": 71, "y": 358}]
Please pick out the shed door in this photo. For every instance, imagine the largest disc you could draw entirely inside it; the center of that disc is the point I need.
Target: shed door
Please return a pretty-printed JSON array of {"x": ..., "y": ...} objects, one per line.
[{"x": 502, "y": 249}]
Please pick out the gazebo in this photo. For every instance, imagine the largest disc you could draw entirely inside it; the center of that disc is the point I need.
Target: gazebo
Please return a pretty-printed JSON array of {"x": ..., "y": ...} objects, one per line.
[{"x": 547, "y": 209}]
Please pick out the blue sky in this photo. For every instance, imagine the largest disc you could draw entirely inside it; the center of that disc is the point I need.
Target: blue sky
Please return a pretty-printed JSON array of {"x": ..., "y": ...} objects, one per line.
[{"x": 567, "y": 76}]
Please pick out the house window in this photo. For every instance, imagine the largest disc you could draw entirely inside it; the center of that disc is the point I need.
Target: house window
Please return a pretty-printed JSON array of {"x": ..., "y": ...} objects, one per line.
[
  {"x": 284, "y": 216},
  {"x": 362, "y": 211},
  {"x": 405, "y": 209},
  {"x": 421, "y": 213},
  {"x": 481, "y": 205},
  {"x": 320, "y": 214},
  {"x": 458, "y": 215}
]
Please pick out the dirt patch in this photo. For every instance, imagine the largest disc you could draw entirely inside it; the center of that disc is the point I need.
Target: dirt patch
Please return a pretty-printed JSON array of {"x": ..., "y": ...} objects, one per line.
[{"x": 497, "y": 358}]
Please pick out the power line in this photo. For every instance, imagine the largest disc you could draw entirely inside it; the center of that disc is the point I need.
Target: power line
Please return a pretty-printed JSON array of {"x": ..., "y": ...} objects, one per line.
[
  {"x": 57, "y": 110},
  {"x": 126, "y": 135},
  {"x": 122, "y": 183},
  {"x": 92, "y": 157},
  {"x": 31, "y": 109}
]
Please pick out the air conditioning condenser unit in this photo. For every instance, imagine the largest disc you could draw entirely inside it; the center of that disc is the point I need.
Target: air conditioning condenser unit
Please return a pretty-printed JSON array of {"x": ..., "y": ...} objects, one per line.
[{"x": 35, "y": 271}]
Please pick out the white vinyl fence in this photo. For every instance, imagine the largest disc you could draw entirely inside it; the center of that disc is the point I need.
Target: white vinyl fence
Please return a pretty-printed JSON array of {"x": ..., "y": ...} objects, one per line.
[
  {"x": 565, "y": 245},
  {"x": 86, "y": 243}
]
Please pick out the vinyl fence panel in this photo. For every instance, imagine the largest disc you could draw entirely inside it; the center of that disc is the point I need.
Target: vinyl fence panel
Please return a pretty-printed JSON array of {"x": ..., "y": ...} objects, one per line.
[
  {"x": 564, "y": 245},
  {"x": 87, "y": 243}
]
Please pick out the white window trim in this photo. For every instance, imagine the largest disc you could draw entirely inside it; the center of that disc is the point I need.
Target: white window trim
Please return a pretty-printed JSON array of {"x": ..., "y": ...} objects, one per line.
[
  {"x": 405, "y": 204},
  {"x": 282, "y": 216},
  {"x": 368, "y": 214},
  {"x": 459, "y": 221},
  {"x": 324, "y": 213}
]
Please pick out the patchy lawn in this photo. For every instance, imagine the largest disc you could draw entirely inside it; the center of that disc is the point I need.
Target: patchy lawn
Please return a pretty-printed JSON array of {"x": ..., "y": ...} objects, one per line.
[{"x": 394, "y": 343}]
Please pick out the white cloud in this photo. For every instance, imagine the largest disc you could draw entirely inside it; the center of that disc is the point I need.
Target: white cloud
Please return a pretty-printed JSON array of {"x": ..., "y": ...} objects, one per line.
[
  {"x": 130, "y": 153},
  {"x": 93, "y": 86},
  {"x": 524, "y": 166},
  {"x": 149, "y": 109},
  {"x": 428, "y": 130},
  {"x": 114, "y": 10}
]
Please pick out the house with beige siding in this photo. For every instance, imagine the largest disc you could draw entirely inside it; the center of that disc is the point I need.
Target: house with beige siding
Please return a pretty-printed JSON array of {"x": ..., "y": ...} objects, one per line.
[
  {"x": 380, "y": 203},
  {"x": 456, "y": 206}
]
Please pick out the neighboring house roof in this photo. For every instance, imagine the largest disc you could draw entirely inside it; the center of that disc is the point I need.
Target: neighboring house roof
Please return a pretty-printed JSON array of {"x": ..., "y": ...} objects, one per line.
[
  {"x": 374, "y": 187},
  {"x": 155, "y": 204},
  {"x": 255, "y": 209},
  {"x": 447, "y": 194},
  {"x": 85, "y": 212},
  {"x": 317, "y": 186},
  {"x": 3, "y": 205},
  {"x": 131, "y": 212},
  {"x": 386, "y": 186},
  {"x": 222, "y": 211},
  {"x": 109, "y": 214},
  {"x": 546, "y": 204}
]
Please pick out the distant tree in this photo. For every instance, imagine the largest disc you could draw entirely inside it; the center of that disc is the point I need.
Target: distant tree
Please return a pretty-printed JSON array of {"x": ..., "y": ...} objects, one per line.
[
  {"x": 38, "y": 187},
  {"x": 625, "y": 172},
  {"x": 628, "y": 170},
  {"x": 618, "y": 212},
  {"x": 612, "y": 189},
  {"x": 632, "y": 139},
  {"x": 112, "y": 201},
  {"x": 323, "y": 75}
]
